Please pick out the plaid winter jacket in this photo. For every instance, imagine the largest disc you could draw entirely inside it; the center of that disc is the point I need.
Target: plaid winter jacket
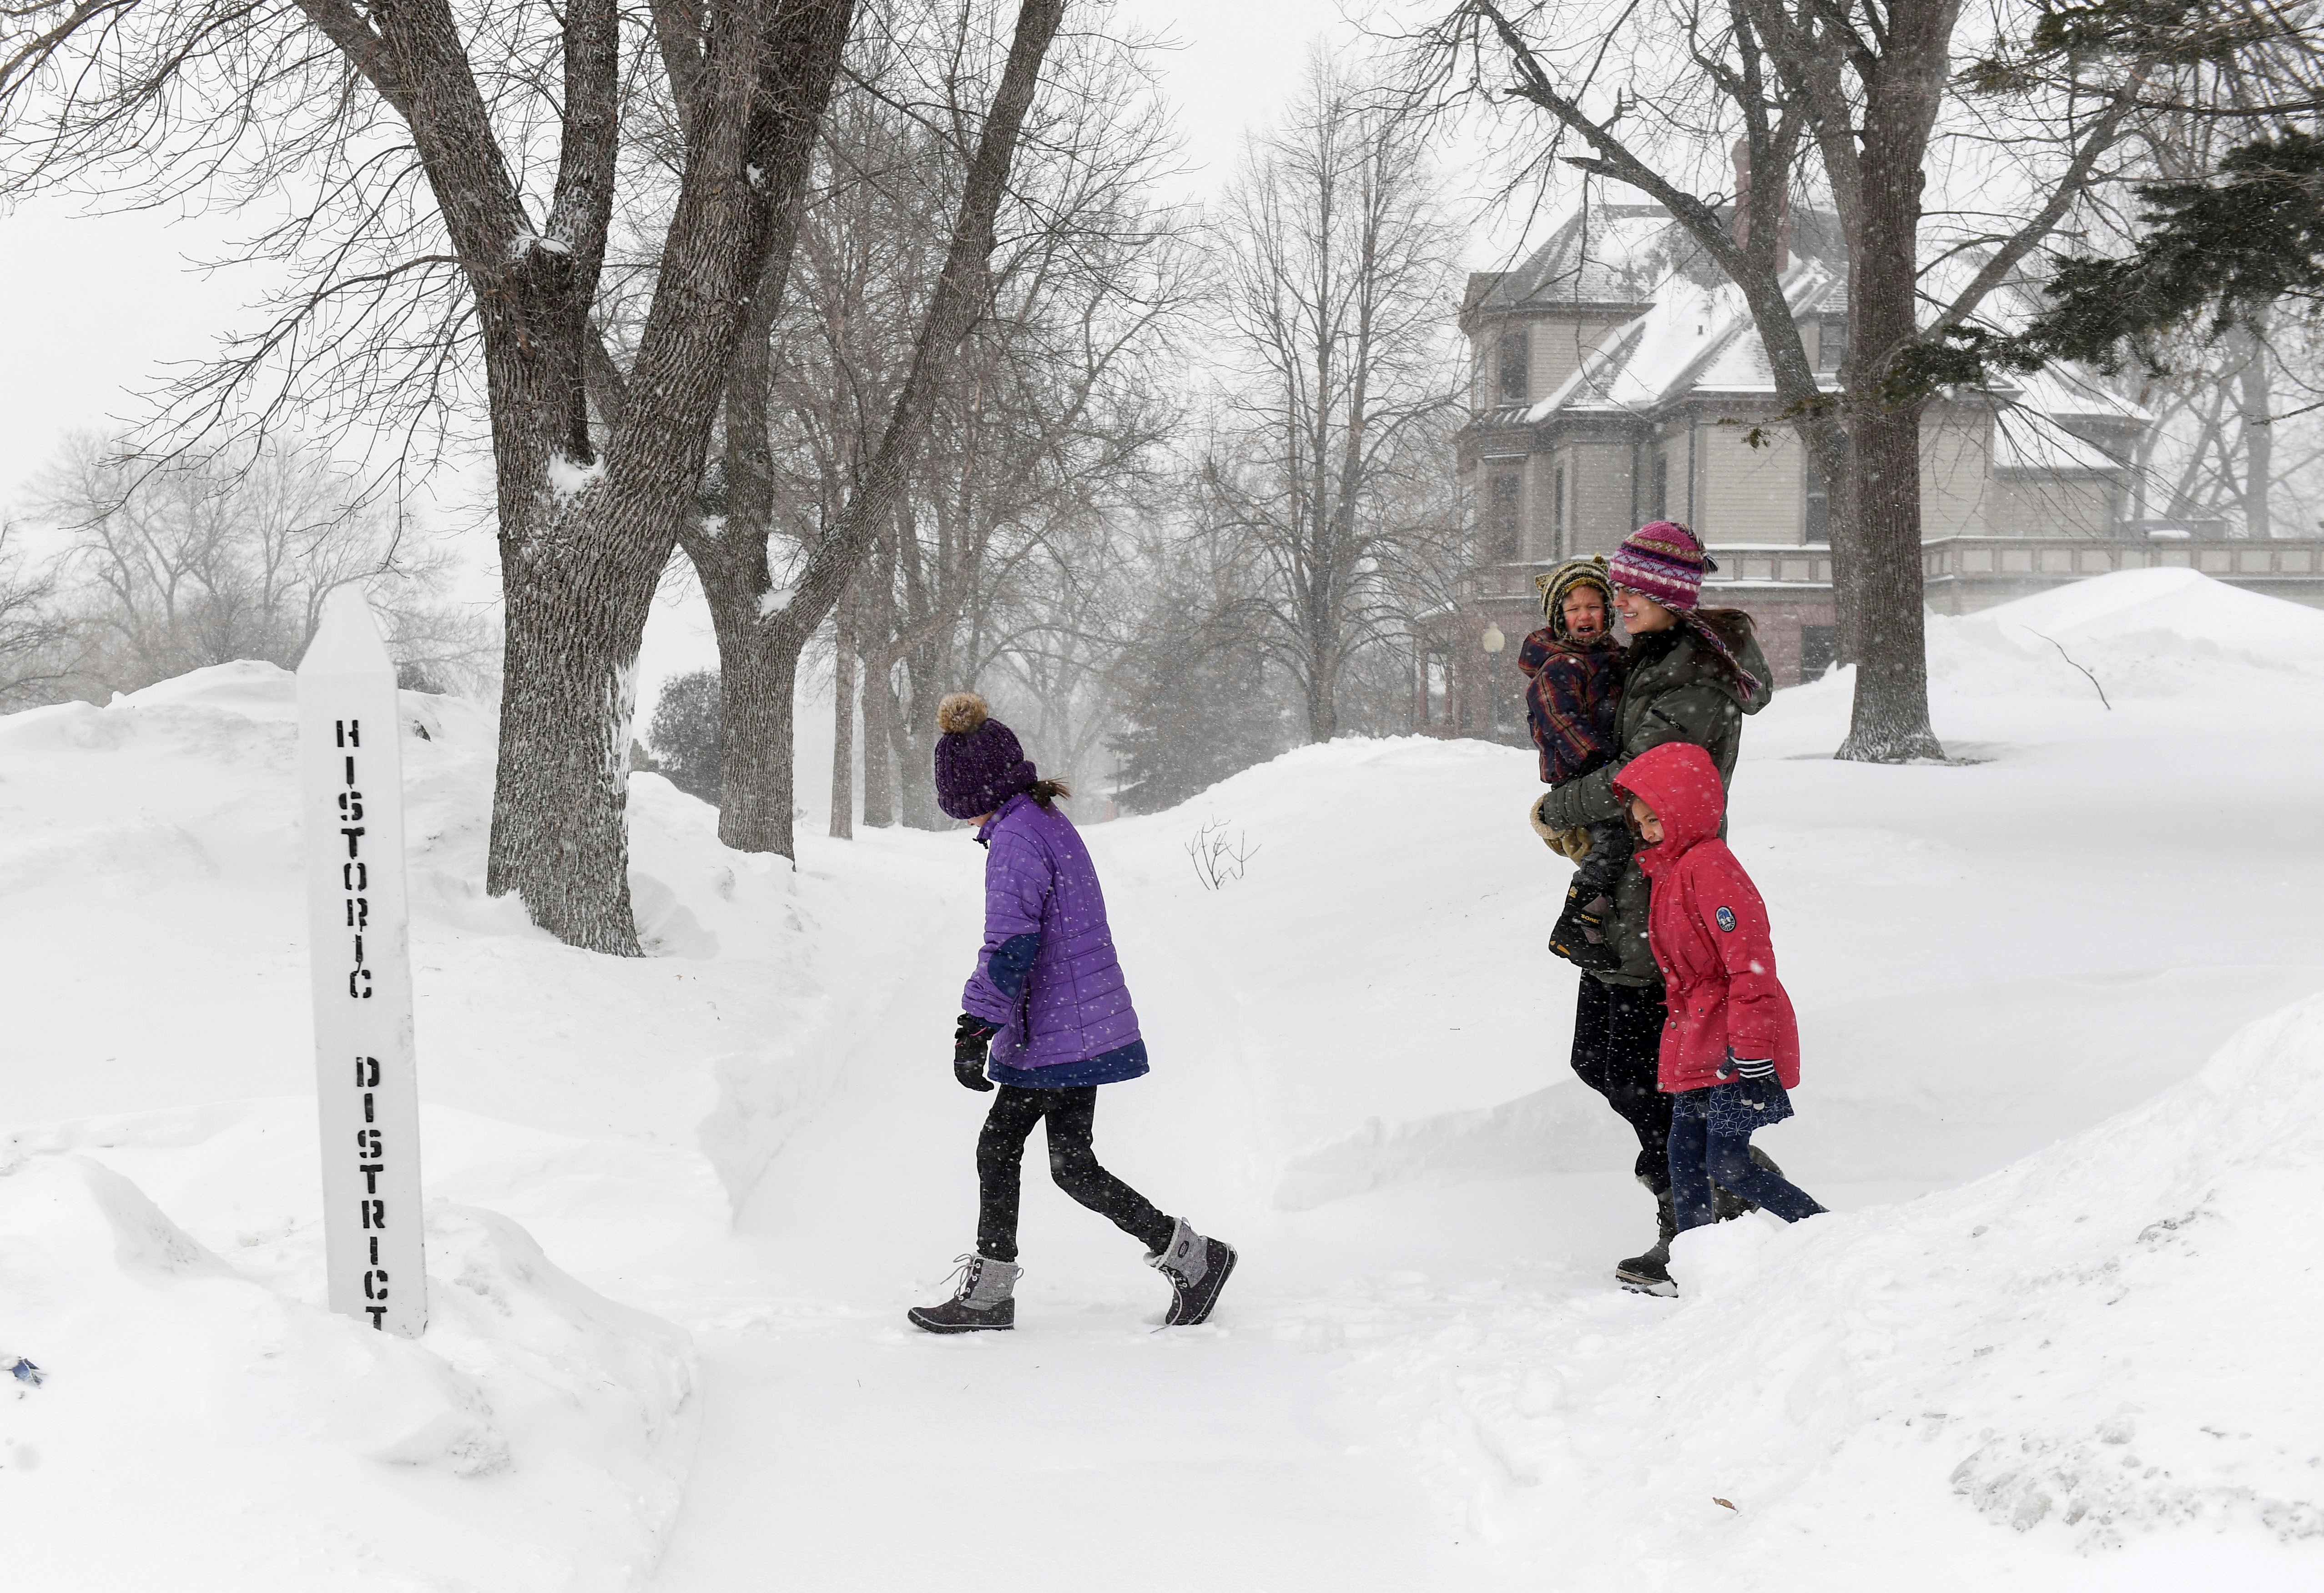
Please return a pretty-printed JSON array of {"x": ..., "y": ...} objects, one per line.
[{"x": 1572, "y": 692}]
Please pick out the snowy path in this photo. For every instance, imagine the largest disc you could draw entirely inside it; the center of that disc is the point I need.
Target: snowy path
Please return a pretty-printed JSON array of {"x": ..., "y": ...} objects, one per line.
[
  {"x": 843, "y": 1448},
  {"x": 2054, "y": 1339}
]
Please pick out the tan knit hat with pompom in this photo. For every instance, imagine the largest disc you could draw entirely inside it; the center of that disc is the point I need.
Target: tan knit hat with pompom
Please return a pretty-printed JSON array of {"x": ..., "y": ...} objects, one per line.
[{"x": 961, "y": 714}]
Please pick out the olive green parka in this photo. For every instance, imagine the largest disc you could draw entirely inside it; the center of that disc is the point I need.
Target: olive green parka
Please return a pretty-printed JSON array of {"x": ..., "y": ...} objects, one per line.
[{"x": 1686, "y": 694}]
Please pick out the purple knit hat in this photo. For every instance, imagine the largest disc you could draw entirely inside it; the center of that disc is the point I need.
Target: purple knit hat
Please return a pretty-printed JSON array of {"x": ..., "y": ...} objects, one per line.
[
  {"x": 1662, "y": 560},
  {"x": 979, "y": 764}
]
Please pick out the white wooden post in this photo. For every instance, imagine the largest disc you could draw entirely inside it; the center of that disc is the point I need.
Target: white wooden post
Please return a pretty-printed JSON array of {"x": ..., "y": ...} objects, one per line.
[{"x": 366, "y": 1084}]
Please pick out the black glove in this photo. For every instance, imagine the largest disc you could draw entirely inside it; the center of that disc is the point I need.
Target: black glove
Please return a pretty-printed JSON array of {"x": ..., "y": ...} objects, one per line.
[{"x": 970, "y": 1038}]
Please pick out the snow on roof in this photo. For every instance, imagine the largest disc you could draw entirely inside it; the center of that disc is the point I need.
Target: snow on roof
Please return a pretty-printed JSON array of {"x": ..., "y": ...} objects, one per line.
[
  {"x": 2069, "y": 391},
  {"x": 1696, "y": 333},
  {"x": 2025, "y": 439},
  {"x": 1600, "y": 254},
  {"x": 1697, "y": 337}
]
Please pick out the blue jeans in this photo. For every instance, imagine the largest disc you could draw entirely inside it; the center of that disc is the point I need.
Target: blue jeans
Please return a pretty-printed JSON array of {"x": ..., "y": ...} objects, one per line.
[{"x": 1710, "y": 1142}]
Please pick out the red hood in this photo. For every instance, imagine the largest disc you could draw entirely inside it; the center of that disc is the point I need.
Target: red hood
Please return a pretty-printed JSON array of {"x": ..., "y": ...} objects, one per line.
[{"x": 1678, "y": 780}]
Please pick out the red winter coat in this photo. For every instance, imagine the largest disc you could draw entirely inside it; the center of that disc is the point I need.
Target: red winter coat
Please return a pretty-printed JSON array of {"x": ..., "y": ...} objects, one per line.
[{"x": 1708, "y": 928}]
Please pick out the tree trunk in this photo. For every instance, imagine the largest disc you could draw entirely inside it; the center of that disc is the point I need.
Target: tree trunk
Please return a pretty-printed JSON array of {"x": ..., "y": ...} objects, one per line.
[
  {"x": 879, "y": 776},
  {"x": 2252, "y": 405},
  {"x": 1876, "y": 560},
  {"x": 1890, "y": 724},
  {"x": 580, "y": 562},
  {"x": 875, "y": 593},
  {"x": 843, "y": 719},
  {"x": 754, "y": 798},
  {"x": 1323, "y": 712},
  {"x": 559, "y": 837},
  {"x": 914, "y": 728},
  {"x": 755, "y": 703},
  {"x": 788, "y": 620},
  {"x": 915, "y": 735}
]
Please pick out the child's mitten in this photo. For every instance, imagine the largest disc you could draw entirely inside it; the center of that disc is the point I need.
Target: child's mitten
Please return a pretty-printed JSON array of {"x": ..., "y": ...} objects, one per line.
[{"x": 970, "y": 1039}]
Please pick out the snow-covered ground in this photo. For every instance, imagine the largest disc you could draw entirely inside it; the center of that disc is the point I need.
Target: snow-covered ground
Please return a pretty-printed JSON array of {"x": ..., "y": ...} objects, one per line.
[{"x": 2063, "y": 1007}]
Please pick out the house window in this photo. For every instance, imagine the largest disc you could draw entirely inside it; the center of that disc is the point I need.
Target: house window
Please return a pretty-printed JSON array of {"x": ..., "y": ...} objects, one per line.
[
  {"x": 1831, "y": 345},
  {"x": 1517, "y": 363},
  {"x": 1557, "y": 513},
  {"x": 1816, "y": 505},
  {"x": 1503, "y": 493},
  {"x": 1658, "y": 488}
]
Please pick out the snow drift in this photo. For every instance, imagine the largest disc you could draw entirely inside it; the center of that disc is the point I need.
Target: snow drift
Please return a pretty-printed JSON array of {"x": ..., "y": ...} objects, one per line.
[
  {"x": 2106, "y": 1340},
  {"x": 203, "y": 1410},
  {"x": 168, "y": 819},
  {"x": 212, "y": 1418},
  {"x": 2058, "y": 1337}
]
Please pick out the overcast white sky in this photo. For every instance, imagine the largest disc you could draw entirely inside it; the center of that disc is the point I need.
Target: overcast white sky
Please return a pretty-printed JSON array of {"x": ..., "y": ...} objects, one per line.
[{"x": 94, "y": 306}]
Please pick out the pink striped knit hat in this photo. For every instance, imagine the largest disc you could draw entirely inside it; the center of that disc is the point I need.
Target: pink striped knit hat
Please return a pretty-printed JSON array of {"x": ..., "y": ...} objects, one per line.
[{"x": 1662, "y": 560}]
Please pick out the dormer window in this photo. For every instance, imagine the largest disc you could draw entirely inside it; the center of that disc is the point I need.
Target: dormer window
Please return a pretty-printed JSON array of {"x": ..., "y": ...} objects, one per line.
[
  {"x": 1831, "y": 345},
  {"x": 1516, "y": 362}
]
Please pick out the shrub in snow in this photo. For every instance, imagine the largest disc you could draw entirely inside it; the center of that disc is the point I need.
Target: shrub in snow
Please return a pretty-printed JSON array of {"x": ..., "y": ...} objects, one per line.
[{"x": 685, "y": 733}]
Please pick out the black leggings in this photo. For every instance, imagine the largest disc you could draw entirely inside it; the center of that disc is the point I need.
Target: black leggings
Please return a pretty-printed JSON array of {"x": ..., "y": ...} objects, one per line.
[
  {"x": 1618, "y": 1039},
  {"x": 1000, "y": 1154}
]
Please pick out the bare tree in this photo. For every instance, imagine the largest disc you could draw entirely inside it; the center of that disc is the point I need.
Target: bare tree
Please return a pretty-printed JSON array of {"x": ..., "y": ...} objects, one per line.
[
  {"x": 456, "y": 197},
  {"x": 763, "y": 628},
  {"x": 1338, "y": 283},
  {"x": 189, "y": 563},
  {"x": 38, "y": 651},
  {"x": 1047, "y": 406}
]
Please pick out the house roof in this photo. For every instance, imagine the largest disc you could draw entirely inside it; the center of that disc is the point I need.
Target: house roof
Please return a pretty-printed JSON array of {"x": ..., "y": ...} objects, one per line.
[
  {"x": 1601, "y": 254},
  {"x": 1691, "y": 332},
  {"x": 1694, "y": 338}
]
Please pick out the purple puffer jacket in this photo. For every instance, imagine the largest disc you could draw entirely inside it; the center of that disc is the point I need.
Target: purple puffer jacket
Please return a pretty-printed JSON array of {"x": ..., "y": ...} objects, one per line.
[{"x": 1047, "y": 974}]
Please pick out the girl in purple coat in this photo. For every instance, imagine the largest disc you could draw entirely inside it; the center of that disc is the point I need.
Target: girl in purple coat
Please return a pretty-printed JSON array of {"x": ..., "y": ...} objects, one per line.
[{"x": 1046, "y": 1018}]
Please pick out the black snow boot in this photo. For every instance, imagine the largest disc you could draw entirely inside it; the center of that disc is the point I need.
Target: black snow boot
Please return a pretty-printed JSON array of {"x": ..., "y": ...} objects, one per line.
[
  {"x": 980, "y": 1303},
  {"x": 1197, "y": 1269},
  {"x": 1650, "y": 1274},
  {"x": 1725, "y": 1207},
  {"x": 1580, "y": 933}
]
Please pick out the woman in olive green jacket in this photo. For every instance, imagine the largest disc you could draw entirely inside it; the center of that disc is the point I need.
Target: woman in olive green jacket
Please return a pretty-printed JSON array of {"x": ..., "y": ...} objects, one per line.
[{"x": 1691, "y": 675}]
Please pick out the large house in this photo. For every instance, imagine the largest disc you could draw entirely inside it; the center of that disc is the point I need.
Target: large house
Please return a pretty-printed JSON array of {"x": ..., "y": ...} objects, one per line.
[{"x": 1618, "y": 378}]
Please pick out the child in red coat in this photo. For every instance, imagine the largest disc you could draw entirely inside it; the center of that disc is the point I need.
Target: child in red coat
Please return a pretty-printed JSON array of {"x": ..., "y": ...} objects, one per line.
[{"x": 1731, "y": 1047}]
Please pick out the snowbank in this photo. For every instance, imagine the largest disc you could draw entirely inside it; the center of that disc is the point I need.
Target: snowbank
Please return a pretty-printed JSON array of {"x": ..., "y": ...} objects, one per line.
[
  {"x": 2147, "y": 639},
  {"x": 163, "y": 827},
  {"x": 214, "y": 1418},
  {"x": 204, "y": 1411},
  {"x": 2009, "y": 971},
  {"x": 2111, "y": 1338},
  {"x": 1986, "y": 956}
]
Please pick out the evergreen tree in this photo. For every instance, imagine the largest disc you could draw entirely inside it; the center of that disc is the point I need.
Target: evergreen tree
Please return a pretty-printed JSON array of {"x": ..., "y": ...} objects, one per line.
[
  {"x": 1199, "y": 708},
  {"x": 685, "y": 733}
]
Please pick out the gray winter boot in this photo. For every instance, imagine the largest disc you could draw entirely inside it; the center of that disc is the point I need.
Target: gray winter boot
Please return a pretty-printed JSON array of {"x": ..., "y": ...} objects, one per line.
[
  {"x": 1650, "y": 1274},
  {"x": 981, "y": 1302},
  {"x": 1197, "y": 1269}
]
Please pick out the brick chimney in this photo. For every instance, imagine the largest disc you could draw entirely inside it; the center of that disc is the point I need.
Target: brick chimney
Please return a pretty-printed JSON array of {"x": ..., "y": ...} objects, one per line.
[{"x": 1742, "y": 222}]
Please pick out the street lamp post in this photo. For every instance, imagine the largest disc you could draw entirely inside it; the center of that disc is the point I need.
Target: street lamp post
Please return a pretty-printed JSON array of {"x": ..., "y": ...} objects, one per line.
[{"x": 1492, "y": 641}]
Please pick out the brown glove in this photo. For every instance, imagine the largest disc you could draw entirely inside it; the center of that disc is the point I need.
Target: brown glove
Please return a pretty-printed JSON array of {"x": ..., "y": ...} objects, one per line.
[{"x": 1573, "y": 845}]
